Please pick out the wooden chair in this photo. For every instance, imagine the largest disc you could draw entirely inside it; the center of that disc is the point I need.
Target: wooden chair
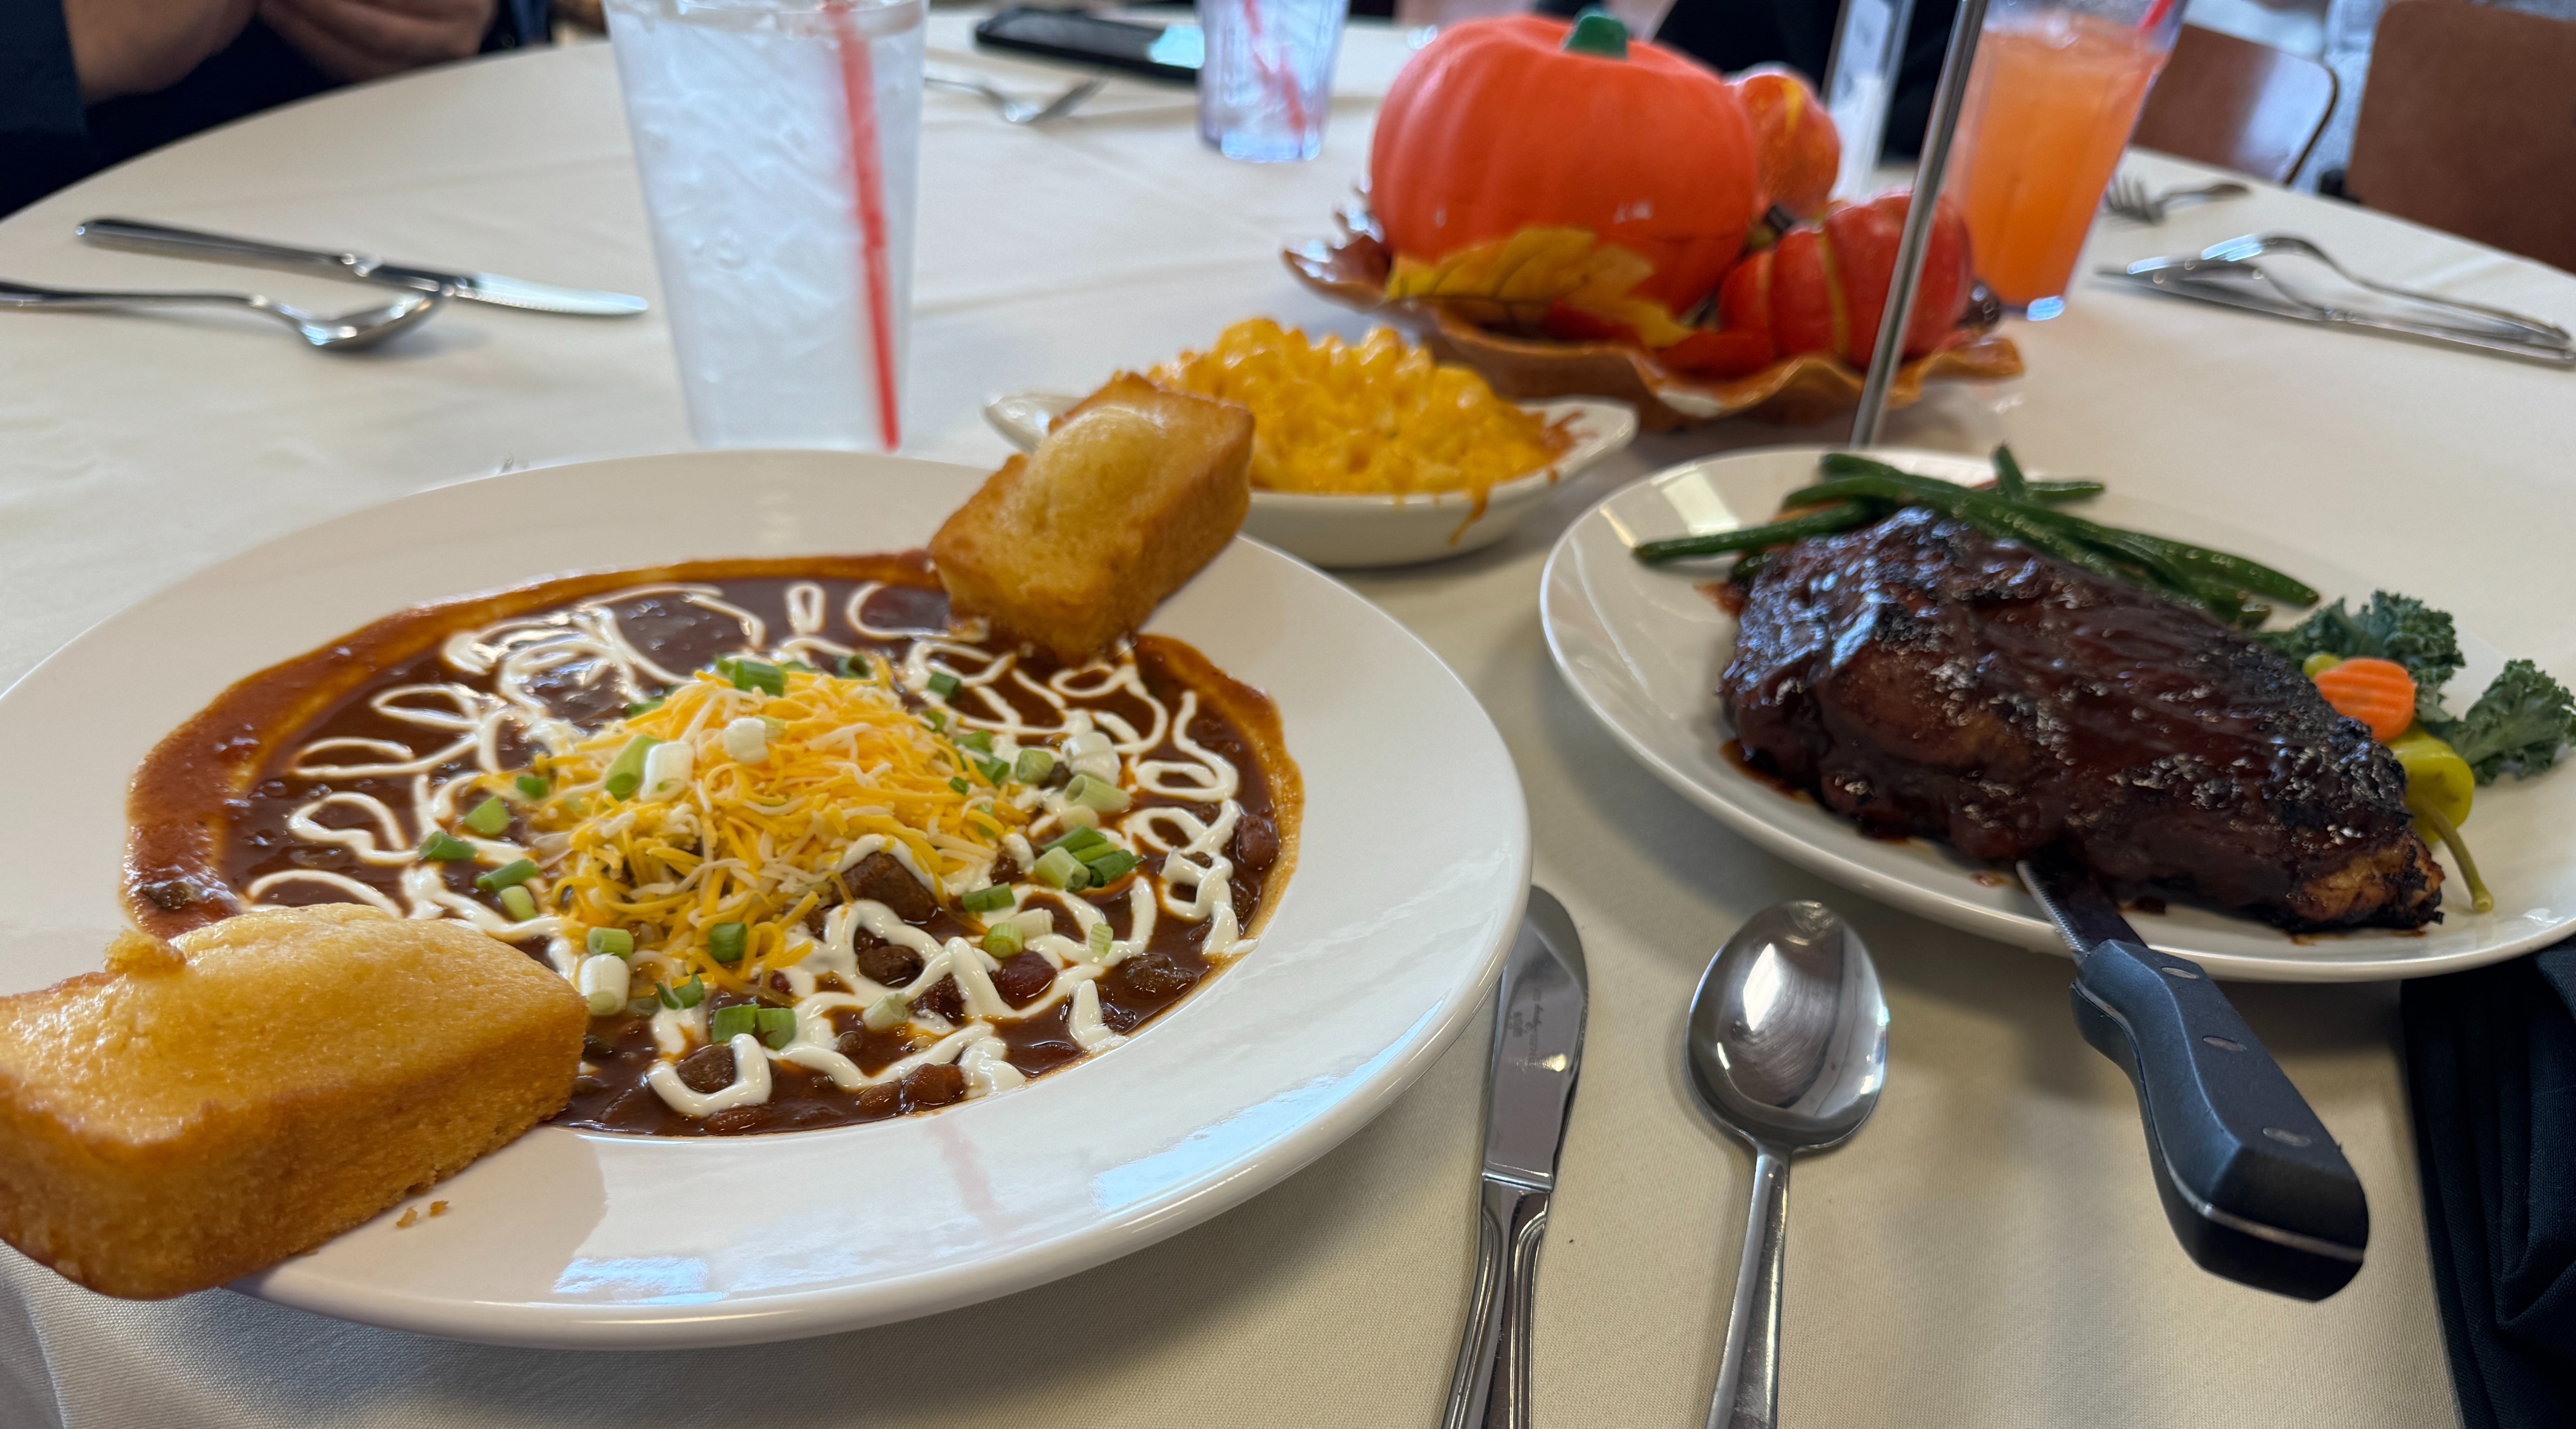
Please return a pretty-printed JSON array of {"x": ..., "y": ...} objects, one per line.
[
  {"x": 2468, "y": 124},
  {"x": 2237, "y": 104}
]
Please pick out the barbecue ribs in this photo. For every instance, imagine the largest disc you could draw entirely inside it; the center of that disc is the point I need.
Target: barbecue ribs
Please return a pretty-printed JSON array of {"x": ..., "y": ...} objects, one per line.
[{"x": 1924, "y": 678}]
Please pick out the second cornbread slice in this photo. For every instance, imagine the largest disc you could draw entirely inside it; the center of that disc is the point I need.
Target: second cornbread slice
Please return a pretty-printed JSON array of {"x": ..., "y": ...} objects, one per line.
[{"x": 205, "y": 1108}]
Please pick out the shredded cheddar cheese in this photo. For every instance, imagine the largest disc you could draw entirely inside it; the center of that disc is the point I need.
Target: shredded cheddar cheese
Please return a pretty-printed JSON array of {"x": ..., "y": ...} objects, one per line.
[
  {"x": 757, "y": 842},
  {"x": 1378, "y": 418}
]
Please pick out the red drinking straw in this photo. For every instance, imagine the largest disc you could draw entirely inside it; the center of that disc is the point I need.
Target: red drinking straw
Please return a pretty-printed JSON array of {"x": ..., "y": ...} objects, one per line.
[
  {"x": 2155, "y": 14},
  {"x": 867, "y": 197}
]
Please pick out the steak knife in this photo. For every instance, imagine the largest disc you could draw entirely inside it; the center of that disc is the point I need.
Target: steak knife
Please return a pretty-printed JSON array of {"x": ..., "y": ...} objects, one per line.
[
  {"x": 1538, "y": 1047},
  {"x": 2255, "y": 1188},
  {"x": 135, "y": 236}
]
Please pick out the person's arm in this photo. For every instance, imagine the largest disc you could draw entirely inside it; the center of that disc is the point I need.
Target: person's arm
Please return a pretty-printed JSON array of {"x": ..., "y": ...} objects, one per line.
[
  {"x": 136, "y": 46},
  {"x": 367, "y": 39}
]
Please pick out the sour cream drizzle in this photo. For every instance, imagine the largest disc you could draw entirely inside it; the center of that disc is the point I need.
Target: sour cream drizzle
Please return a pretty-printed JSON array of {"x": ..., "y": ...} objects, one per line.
[{"x": 1185, "y": 874}]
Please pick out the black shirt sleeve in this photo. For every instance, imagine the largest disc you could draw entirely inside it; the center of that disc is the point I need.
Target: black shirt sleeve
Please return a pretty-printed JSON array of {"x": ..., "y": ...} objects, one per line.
[{"x": 44, "y": 136}]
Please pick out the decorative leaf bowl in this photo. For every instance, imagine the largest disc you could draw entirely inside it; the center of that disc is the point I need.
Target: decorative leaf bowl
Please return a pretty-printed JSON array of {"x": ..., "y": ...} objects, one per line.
[{"x": 1352, "y": 270}]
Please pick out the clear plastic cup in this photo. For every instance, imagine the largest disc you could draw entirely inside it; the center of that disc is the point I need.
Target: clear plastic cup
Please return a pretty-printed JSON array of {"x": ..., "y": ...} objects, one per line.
[
  {"x": 1266, "y": 79},
  {"x": 780, "y": 147},
  {"x": 2056, "y": 89}
]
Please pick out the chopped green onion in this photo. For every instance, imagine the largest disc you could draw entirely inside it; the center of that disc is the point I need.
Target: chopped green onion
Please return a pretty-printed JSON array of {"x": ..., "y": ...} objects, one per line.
[
  {"x": 687, "y": 995},
  {"x": 637, "y": 707},
  {"x": 725, "y": 942},
  {"x": 627, "y": 769},
  {"x": 1097, "y": 794},
  {"x": 488, "y": 818},
  {"x": 533, "y": 786},
  {"x": 444, "y": 847},
  {"x": 854, "y": 667},
  {"x": 1060, "y": 869},
  {"x": 1109, "y": 867},
  {"x": 993, "y": 770},
  {"x": 1003, "y": 940},
  {"x": 731, "y": 1022},
  {"x": 1097, "y": 941},
  {"x": 750, "y": 674},
  {"x": 800, "y": 667},
  {"x": 640, "y": 1006},
  {"x": 1078, "y": 816},
  {"x": 942, "y": 683},
  {"x": 777, "y": 1025},
  {"x": 959, "y": 785},
  {"x": 615, "y": 942},
  {"x": 1033, "y": 767},
  {"x": 985, "y": 900},
  {"x": 890, "y": 1010},
  {"x": 937, "y": 720},
  {"x": 507, "y": 875},
  {"x": 1078, "y": 843},
  {"x": 520, "y": 904},
  {"x": 975, "y": 739}
]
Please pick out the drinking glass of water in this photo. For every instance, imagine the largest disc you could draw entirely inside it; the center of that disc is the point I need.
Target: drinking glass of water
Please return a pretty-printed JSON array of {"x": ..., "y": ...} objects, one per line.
[
  {"x": 780, "y": 147},
  {"x": 1266, "y": 79}
]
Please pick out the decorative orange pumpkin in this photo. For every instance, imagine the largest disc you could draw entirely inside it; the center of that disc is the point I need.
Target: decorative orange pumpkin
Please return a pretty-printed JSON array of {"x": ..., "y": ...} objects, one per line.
[
  {"x": 1823, "y": 288},
  {"x": 1796, "y": 149},
  {"x": 1499, "y": 125}
]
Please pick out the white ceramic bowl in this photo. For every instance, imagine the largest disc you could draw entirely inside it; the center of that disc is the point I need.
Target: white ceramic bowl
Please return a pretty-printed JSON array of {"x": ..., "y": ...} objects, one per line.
[
  {"x": 1407, "y": 890},
  {"x": 1351, "y": 532}
]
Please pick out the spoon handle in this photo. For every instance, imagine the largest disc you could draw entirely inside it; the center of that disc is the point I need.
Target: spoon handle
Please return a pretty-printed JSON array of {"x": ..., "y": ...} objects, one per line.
[{"x": 1748, "y": 1377}]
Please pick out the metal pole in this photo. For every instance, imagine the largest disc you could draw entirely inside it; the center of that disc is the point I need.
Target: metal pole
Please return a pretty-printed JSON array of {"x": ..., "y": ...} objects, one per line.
[{"x": 1937, "y": 134}]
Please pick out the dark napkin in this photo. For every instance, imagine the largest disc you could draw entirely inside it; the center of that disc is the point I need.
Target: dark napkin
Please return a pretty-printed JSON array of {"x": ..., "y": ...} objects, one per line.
[{"x": 2491, "y": 1069}]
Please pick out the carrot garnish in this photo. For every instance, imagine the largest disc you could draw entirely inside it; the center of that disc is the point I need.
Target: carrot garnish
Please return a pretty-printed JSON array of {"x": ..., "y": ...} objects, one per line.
[{"x": 2379, "y": 693}]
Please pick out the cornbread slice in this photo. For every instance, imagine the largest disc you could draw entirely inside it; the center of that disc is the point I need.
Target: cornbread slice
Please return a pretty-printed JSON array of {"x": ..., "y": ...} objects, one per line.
[
  {"x": 1132, "y": 492},
  {"x": 208, "y": 1107}
]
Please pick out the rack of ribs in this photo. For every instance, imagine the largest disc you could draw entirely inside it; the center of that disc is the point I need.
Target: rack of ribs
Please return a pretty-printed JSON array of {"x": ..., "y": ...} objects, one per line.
[{"x": 1923, "y": 678}]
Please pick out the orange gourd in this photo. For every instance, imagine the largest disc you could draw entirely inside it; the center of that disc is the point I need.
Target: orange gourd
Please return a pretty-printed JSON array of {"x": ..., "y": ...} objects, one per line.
[
  {"x": 1796, "y": 149},
  {"x": 1496, "y": 126},
  {"x": 1823, "y": 288}
]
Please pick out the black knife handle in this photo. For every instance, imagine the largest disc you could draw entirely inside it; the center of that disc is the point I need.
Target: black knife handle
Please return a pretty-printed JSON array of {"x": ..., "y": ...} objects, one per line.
[
  {"x": 2255, "y": 1188},
  {"x": 1491, "y": 1389}
]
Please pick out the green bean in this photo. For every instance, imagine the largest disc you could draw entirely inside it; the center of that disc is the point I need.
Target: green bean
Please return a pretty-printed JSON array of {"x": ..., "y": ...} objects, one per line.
[
  {"x": 1841, "y": 516},
  {"x": 2008, "y": 477},
  {"x": 2076, "y": 489},
  {"x": 2245, "y": 574}
]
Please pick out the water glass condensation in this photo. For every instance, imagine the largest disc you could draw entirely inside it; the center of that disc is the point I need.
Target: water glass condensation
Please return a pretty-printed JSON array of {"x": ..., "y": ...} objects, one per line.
[
  {"x": 1266, "y": 78},
  {"x": 2056, "y": 89},
  {"x": 780, "y": 147}
]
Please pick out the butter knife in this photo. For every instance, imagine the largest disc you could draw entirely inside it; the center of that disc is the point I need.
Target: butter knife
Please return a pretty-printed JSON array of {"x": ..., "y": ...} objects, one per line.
[
  {"x": 2254, "y": 1187},
  {"x": 133, "y": 235},
  {"x": 2204, "y": 282},
  {"x": 1538, "y": 1047}
]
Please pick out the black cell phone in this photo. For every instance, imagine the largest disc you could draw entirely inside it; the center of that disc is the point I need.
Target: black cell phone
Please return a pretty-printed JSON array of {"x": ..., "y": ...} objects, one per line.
[{"x": 1168, "y": 53}]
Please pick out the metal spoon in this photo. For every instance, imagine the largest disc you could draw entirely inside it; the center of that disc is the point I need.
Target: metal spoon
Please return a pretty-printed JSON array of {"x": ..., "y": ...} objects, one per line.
[
  {"x": 347, "y": 332},
  {"x": 1787, "y": 1048},
  {"x": 1020, "y": 111}
]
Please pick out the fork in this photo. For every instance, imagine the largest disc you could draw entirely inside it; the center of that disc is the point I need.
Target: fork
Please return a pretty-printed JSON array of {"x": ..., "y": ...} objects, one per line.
[
  {"x": 2130, "y": 198},
  {"x": 1021, "y": 111}
]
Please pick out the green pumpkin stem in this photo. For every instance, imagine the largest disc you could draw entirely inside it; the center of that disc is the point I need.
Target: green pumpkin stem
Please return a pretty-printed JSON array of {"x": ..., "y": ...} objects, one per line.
[{"x": 1597, "y": 32}]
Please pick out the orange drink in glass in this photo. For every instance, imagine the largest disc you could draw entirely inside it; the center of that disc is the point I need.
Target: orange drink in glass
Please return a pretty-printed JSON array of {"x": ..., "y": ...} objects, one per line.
[{"x": 2050, "y": 104}]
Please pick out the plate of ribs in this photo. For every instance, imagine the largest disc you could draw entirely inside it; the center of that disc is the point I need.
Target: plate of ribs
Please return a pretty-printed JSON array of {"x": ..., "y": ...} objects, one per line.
[{"x": 1909, "y": 705}]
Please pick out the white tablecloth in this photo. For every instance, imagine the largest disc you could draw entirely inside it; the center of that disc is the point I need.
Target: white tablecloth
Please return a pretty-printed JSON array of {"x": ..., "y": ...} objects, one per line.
[{"x": 1988, "y": 1253}]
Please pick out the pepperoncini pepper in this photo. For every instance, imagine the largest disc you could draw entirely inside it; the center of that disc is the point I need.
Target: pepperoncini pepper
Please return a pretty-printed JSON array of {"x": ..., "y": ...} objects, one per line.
[{"x": 2439, "y": 787}]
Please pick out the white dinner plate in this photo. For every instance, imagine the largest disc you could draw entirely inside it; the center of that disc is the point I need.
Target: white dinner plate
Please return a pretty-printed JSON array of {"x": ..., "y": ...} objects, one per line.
[
  {"x": 1355, "y": 532},
  {"x": 1408, "y": 887},
  {"x": 1644, "y": 648}
]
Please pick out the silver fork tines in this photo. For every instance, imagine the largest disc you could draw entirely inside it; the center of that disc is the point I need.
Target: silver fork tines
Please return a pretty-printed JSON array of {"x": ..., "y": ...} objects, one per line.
[{"x": 2130, "y": 198}]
